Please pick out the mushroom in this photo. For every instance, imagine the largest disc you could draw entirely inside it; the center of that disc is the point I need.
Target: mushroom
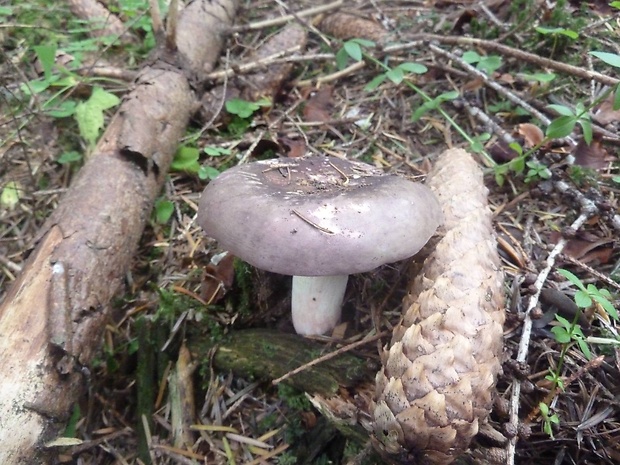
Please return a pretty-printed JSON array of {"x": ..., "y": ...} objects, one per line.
[{"x": 318, "y": 219}]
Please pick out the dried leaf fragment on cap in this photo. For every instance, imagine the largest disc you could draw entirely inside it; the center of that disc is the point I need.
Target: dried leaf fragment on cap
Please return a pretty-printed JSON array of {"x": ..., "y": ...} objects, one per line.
[{"x": 435, "y": 386}]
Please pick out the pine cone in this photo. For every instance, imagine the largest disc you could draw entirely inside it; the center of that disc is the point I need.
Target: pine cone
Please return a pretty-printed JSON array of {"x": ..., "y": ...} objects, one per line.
[{"x": 436, "y": 383}]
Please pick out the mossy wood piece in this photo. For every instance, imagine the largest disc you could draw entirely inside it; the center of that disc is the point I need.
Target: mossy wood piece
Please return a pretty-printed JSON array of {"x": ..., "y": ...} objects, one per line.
[{"x": 267, "y": 355}]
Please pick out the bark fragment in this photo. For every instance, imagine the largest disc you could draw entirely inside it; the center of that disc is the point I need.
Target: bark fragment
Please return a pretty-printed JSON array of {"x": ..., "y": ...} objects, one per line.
[
  {"x": 108, "y": 23},
  {"x": 436, "y": 383},
  {"x": 266, "y": 81}
]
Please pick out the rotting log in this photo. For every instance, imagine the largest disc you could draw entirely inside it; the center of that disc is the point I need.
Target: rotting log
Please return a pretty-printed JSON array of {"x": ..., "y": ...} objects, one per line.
[
  {"x": 52, "y": 318},
  {"x": 266, "y": 355}
]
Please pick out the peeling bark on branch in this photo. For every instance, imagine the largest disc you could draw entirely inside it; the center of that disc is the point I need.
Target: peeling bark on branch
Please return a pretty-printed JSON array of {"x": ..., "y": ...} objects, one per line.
[
  {"x": 54, "y": 314},
  {"x": 438, "y": 375}
]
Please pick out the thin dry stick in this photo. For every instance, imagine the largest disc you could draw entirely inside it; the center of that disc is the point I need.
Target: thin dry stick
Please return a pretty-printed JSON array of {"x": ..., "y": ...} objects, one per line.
[
  {"x": 521, "y": 55},
  {"x": 606, "y": 279},
  {"x": 312, "y": 223},
  {"x": 492, "y": 84},
  {"x": 157, "y": 23},
  {"x": 527, "y": 331},
  {"x": 171, "y": 25},
  {"x": 329, "y": 356},
  {"x": 285, "y": 19},
  {"x": 268, "y": 60},
  {"x": 334, "y": 76}
]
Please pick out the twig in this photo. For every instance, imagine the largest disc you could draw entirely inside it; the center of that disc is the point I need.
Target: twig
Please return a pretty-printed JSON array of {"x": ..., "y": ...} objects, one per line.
[
  {"x": 268, "y": 60},
  {"x": 527, "y": 331},
  {"x": 171, "y": 25},
  {"x": 312, "y": 223},
  {"x": 486, "y": 120},
  {"x": 590, "y": 365},
  {"x": 492, "y": 84},
  {"x": 285, "y": 19},
  {"x": 329, "y": 356},
  {"x": 521, "y": 55},
  {"x": 334, "y": 76},
  {"x": 157, "y": 23},
  {"x": 606, "y": 279}
]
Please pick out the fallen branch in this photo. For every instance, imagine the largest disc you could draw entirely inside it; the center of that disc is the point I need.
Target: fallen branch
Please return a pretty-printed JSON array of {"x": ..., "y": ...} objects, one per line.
[
  {"x": 52, "y": 318},
  {"x": 522, "y": 56},
  {"x": 526, "y": 333}
]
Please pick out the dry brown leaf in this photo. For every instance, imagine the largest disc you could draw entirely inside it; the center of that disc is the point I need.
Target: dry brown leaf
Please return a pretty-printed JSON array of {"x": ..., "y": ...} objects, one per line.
[
  {"x": 438, "y": 375},
  {"x": 217, "y": 279},
  {"x": 586, "y": 249},
  {"x": 532, "y": 134},
  {"x": 592, "y": 156},
  {"x": 294, "y": 148},
  {"x": 605, "y": 114},
  {"x": 319, "y": 105},
  {"x": 347, "y": 26}
]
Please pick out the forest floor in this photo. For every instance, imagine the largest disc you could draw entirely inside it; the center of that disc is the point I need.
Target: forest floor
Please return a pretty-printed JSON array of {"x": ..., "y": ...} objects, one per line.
[{"x": 529, "y": 87}]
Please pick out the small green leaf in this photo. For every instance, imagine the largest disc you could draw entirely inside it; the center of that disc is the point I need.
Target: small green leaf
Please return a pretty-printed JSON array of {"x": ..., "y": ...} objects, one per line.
[
  {"x": 586, "y": 127},
  {"x": 516, "y": 147},
  {"x": 47, "y": 56},
  {"x": 71, "y": 428},
  {"x": 89, "y": 114},
  {"x": 432, "y": 104},
  {"x": 90, "y": 121},
  {"x": 490, "y": 64},
  {"x": 518, "y": 165},
  {"x": 544, "y": 409},
  {"x": 102, "y": 99},
  {"x": 500, "y": 179},
  {"x": 241, "y": 108},
  {"x": 572, "y": 278},
  {"x": 396, "y": 75},
  {"x": 561, "y": 127},
  {"x": 186, "y": 159},
  {"x": 342, "y": 58},
  {"x": 558, "y": 30},
  {"x": 364, "y": 42},
  {"x": 585, "y": 349},
  {"x": 353, "y": 49},
  {"x": 567, "y": 325},
  {"x": 62, "y": 110},
  {"x": 561, "y": 335},
  {"x": 163, "y": 210},
  {"x": 208, "y": 172},
  {"x": 414, "y": 68},
  {"x": 69, "y": 157},
  {"x": 35, "y": 86},
  {"x": 615, "y": 5},
  {"x": 616, "y": 105},
  {"x": 612, "y": 59},
  {"x": 607, "y": 306},
  {"x": 540, "y": 77},
  {"x": 376, "y": 82},
  {"x": 216, "y": 151},
  {"x": 582, "y": 299},
  {"x": 10, "y": 195},
  {"x": 561, "y": 109},
  {"x": 471, "y": 57}
]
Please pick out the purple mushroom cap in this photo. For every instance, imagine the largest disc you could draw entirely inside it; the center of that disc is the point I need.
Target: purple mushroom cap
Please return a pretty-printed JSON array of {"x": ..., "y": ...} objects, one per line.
[{"x": 317, "y": 216}]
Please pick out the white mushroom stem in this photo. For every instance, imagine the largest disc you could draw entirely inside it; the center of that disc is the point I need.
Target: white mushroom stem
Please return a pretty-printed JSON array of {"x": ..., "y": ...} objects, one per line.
[{"x": 317, "y": 303}]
